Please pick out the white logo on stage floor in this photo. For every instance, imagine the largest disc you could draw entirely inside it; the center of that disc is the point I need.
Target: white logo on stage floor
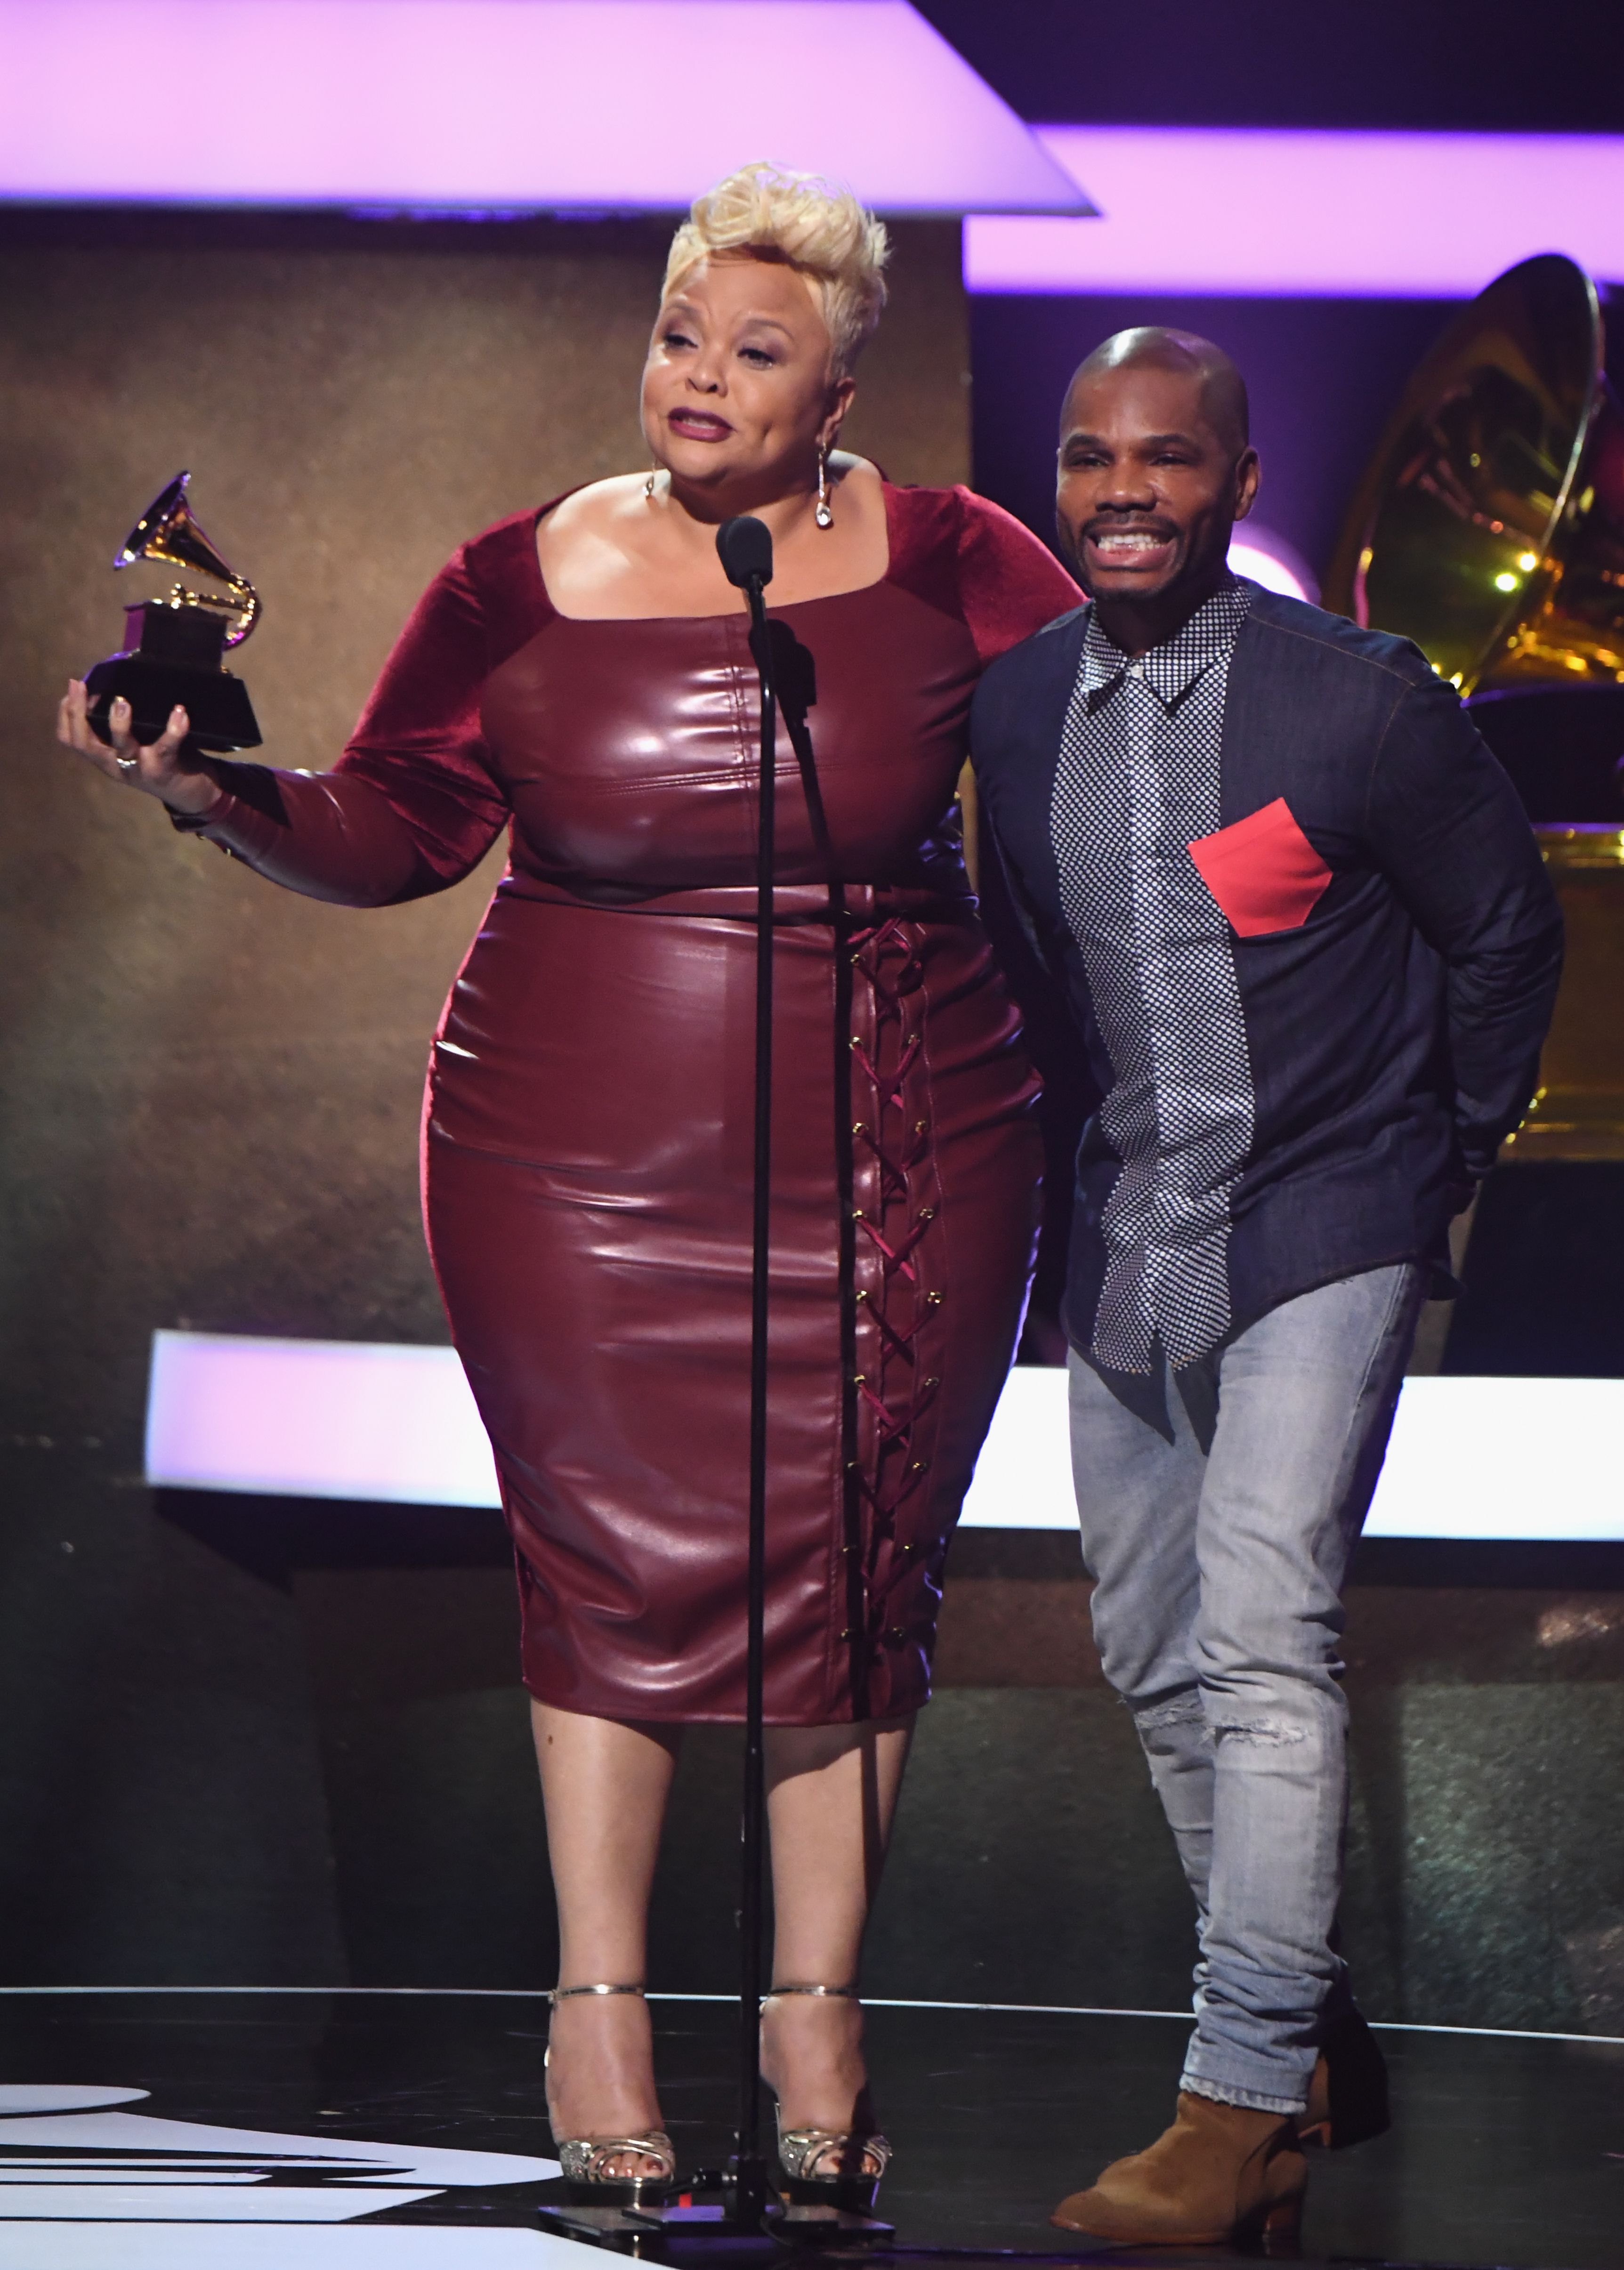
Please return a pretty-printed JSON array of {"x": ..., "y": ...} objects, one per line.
[{"x": 87, "y": 2186}]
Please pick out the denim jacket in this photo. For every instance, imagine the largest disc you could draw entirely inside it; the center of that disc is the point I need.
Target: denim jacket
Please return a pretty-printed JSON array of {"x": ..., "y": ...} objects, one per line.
[{"x": 1393, "y": 1027}]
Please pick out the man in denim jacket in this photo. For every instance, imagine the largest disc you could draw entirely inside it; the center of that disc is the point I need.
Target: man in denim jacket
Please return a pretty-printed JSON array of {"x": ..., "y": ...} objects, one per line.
[{"x": 1312, "y": 951}]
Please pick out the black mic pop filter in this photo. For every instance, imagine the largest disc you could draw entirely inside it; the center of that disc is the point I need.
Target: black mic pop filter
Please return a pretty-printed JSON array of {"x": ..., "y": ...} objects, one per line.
[{"x": 744, "y": 547}]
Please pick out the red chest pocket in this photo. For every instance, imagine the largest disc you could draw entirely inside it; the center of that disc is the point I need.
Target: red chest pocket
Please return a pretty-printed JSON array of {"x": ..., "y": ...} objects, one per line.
[{"x": 1263, "y": 871}]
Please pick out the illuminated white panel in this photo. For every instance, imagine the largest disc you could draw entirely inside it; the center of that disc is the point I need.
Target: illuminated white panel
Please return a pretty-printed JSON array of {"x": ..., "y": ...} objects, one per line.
[
  {"x": 1508, "y": 1458},
  {"x": 1484, "y": 1458},
  {"x": 1023, "y": 1476},
  {"x": 500, "y": 105},
  {"x": 1240, "y": 210},
  {"x": 1505, "y": 1458},
  {"x": 315, "y": 1419}
]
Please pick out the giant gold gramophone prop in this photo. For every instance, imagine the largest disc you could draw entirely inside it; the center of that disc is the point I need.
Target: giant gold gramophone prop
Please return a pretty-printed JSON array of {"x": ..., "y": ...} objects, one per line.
[
  {"x": 1489, "y": 528},
  {"x": 175, "y": 645}
]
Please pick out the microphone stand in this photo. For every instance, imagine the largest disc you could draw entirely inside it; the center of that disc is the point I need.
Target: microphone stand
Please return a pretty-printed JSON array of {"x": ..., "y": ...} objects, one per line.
[
  {"x": 745, "y": 549},
  {"x": 744, "y": 546}
]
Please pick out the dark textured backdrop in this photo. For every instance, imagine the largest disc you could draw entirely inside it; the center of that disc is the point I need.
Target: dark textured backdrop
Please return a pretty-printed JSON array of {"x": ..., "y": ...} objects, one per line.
[{"x": 213, "y": 1090}]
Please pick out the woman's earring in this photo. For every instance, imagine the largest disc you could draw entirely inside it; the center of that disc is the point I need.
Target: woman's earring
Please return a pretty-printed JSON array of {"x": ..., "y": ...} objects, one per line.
[
  {"x": 824, "y": 515},
  {"x": 648, "y": 484}
]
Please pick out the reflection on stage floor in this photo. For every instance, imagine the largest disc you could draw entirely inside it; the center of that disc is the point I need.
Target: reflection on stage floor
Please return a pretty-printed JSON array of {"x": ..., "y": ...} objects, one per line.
[{"x": 186, "y": 2129}]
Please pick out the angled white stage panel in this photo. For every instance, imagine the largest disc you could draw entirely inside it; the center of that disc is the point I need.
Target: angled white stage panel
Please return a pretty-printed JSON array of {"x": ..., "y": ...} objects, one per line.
[
  {"x": 1288, "y": 213},
  {"x": 489, "y": 107},
  {"x": 1489, "y": 1459}
]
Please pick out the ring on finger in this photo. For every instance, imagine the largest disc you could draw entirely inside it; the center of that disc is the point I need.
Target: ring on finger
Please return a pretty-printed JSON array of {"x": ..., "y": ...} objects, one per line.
[{"x": 129, "y": 767}]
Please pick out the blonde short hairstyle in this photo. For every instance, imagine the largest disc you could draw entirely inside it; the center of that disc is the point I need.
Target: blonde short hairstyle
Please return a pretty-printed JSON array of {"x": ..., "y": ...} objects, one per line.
[{"x": 810, "y": 225}]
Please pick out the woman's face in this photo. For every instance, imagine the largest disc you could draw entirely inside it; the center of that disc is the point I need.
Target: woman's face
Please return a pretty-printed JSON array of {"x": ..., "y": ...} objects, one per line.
[{"x": 737, "y": 387}]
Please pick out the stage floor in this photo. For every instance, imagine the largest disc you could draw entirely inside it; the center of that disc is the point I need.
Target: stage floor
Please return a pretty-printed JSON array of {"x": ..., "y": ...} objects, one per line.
[{"x": 1507, "y": 2150}]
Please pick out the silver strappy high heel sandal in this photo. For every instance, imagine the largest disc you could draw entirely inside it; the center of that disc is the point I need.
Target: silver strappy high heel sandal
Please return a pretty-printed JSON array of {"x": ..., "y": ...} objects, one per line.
[
  {"x": 586, "y": 2160},
  {"x": 838, "y": 2167}
]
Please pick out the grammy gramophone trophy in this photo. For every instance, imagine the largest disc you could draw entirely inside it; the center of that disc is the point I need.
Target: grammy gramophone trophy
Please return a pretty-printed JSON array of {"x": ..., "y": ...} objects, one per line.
[{"x": 175, "y": 645}]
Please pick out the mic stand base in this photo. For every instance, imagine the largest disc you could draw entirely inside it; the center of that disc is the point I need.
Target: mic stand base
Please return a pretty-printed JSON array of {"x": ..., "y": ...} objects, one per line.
[
  {"x": 829, "y": 2227},
  {"x": 711, "y": 2222}
]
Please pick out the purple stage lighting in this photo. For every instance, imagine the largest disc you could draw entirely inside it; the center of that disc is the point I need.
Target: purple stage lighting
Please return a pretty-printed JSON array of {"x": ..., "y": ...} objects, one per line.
[
  {"x": 495, "y": 107},
  {"x": 1268, "y": 558},
  {"x": 1238, "y": 212}
]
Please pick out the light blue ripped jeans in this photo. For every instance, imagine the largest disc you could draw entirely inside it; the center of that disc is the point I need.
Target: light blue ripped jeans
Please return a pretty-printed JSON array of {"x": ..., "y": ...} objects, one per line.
[{"x": 1218, "y": 1616}]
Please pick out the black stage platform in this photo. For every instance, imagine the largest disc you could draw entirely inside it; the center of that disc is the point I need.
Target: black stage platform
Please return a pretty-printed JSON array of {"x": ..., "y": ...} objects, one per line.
[{"x": 1509, "y": 2149}]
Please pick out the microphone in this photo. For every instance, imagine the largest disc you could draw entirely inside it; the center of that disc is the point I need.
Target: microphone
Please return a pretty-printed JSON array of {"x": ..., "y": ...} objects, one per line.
[{"x": 744, "y": 547}]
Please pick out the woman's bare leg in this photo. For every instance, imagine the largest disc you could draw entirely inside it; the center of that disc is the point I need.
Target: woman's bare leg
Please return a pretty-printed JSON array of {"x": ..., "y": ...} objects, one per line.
[
  {"x": 831, "y": 1797},
  {"x": 604, "y": 1783}
]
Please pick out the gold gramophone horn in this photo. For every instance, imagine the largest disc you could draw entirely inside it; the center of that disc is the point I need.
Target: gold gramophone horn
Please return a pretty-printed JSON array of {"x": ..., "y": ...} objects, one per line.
[
  {"x": 168, "y": 532},
  {"x": 1489, "y": 526}
]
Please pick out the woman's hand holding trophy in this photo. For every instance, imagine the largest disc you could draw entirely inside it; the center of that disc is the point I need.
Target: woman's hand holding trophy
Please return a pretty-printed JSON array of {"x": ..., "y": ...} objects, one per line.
[
  {"x": 152, "y": 715},
  {"x": 152, "y": 767}
]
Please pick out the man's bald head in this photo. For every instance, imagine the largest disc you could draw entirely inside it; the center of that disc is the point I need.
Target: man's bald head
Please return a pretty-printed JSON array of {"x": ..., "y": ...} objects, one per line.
[
  {"x": 1155, "y": 468},
  {"x": 1221, "y": 387}
]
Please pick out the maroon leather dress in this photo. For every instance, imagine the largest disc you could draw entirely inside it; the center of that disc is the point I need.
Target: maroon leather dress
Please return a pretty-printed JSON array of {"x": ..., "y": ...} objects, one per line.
[{"x": 588, "y": 1131}]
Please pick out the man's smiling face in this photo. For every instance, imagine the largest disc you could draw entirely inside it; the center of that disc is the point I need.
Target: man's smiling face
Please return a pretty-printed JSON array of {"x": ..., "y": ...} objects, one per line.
[{"x": 1153, "y": 476}]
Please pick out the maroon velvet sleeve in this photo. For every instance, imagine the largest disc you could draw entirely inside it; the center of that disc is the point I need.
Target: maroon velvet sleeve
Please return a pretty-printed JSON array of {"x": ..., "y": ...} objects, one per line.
[
  {"x": 412, "y": 806},
  {"x": 974, "y": 559},
  {"x": 1010, "y": 584}
]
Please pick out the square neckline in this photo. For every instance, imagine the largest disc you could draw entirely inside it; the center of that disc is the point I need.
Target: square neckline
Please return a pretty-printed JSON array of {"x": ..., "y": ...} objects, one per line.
[{"x": 726, "y": 615}]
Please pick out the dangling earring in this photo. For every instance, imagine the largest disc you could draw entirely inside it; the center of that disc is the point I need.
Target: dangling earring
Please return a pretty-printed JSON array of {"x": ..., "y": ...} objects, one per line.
[
  {"x": 648, "y": 485},
  {"x": 824, "y": 515}
]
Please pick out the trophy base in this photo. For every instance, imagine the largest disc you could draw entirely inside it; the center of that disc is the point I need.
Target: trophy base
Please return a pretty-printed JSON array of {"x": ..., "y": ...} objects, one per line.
[{"x": 217, "y": 704}]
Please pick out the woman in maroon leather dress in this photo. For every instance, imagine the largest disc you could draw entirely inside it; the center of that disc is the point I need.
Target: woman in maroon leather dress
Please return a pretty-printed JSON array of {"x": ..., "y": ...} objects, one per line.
[{"x": 580, "y": 676}]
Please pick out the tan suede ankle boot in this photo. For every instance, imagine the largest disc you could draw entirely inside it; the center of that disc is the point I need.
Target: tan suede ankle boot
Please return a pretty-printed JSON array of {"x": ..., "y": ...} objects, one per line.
[{"x": 1221, "y": 2172}]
